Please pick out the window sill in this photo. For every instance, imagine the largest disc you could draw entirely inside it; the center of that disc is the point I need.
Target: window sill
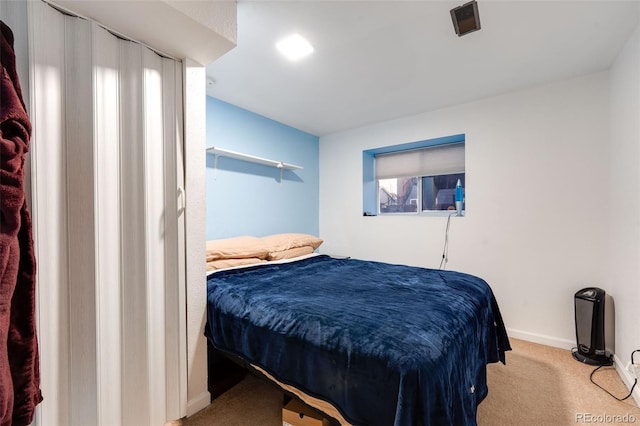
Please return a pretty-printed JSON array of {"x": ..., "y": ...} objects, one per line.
[{"x": 433, "y": 213}]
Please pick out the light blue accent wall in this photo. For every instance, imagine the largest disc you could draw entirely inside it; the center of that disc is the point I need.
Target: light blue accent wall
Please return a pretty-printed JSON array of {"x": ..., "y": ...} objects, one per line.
[
  {"x": 244, "y": 198},
  {"x": 369, "y": 185}
]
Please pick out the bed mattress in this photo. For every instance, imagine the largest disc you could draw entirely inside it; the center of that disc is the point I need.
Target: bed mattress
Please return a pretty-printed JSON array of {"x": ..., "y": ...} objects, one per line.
[{"x": 384, "y": 344}]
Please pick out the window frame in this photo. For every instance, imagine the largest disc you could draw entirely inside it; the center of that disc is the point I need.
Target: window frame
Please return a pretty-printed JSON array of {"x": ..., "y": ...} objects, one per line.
[
  {"x": 371, "y": 189},
  {"x": 418, "y": 189},
  {"x": 419, "y": 211}
]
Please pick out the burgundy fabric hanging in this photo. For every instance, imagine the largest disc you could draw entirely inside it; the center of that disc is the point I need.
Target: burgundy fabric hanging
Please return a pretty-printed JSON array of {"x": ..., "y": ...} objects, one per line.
[{"x": 19, "y": 363}]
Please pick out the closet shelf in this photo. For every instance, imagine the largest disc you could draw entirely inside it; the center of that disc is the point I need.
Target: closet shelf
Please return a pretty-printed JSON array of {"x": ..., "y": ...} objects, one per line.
[{"x": 252, "y": 158}]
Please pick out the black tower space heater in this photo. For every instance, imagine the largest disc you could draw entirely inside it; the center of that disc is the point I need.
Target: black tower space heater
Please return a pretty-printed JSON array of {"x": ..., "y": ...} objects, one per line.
[{"x": 589, "y": 310}]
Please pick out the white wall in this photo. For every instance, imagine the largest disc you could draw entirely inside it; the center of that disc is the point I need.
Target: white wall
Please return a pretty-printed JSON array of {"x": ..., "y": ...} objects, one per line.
[
  {"x": 623, "y": 281},
  {"x": 537, "y": 200},
  {"x": 195, "y": 112}
]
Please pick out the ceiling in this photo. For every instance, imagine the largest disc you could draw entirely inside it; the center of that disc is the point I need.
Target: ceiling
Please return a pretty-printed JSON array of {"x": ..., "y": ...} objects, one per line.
[{"x": 379, "y": 60}]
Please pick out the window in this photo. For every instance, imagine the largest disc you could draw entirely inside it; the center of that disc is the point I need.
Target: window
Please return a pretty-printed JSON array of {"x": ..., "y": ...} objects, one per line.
[
  {"x": 439, "y": 192},
  {"x": 398, "y": 195},
  {"x": 419, "y": 177}
]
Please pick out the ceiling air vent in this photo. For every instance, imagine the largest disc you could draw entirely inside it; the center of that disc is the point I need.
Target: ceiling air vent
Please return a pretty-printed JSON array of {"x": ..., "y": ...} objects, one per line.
[{"x": 465, "y": 18}]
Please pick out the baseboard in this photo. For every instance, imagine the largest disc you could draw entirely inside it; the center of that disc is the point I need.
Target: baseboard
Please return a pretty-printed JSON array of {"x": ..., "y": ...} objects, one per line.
[
  {"x": 198, "y": 403},
  {"x": 626, "y": 377},
  {"x": 542, "y": 339}
]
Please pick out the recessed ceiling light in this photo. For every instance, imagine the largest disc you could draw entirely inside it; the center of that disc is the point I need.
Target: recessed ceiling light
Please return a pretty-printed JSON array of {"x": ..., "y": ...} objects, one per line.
[{"x": 294, "y": 47}]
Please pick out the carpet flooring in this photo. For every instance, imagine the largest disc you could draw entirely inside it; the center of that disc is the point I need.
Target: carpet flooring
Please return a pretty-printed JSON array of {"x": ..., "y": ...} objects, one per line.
[{"x": 539, "y": 385}]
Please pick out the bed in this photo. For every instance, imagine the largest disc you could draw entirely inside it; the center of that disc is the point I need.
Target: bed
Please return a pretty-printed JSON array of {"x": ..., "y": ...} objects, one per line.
[{"x": 384, "y": 344}]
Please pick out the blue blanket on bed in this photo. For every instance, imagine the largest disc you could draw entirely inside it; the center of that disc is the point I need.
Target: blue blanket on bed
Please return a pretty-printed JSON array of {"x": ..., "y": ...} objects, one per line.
[{"x": 385, "y": 344}]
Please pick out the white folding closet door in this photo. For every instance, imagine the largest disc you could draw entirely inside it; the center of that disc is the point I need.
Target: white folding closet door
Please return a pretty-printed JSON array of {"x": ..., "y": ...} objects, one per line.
[
  {"x": 49, "y": 209},
  {"x": 174, "y": 246},
  {"x": 155, "y": 230},
  {"x": 80, "y": 217},
  {"x": 135, "y": 395},
  {"x": 108, "y": 224},
  {"x": 107, "y": 145}
]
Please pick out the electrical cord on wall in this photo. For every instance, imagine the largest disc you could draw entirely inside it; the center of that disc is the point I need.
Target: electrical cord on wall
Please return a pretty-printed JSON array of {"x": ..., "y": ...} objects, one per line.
[
  {"x": 445, "y": 249},
  {"x": 612, "y": 395}
]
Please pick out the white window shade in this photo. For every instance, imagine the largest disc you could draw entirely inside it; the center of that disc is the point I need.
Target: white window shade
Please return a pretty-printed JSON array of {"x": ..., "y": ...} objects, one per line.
[{"x": 431, "y": 161}]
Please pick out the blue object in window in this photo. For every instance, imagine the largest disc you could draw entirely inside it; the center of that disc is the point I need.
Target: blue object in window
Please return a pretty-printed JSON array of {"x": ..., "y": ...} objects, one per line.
[{"x": 459, "y": 198}]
